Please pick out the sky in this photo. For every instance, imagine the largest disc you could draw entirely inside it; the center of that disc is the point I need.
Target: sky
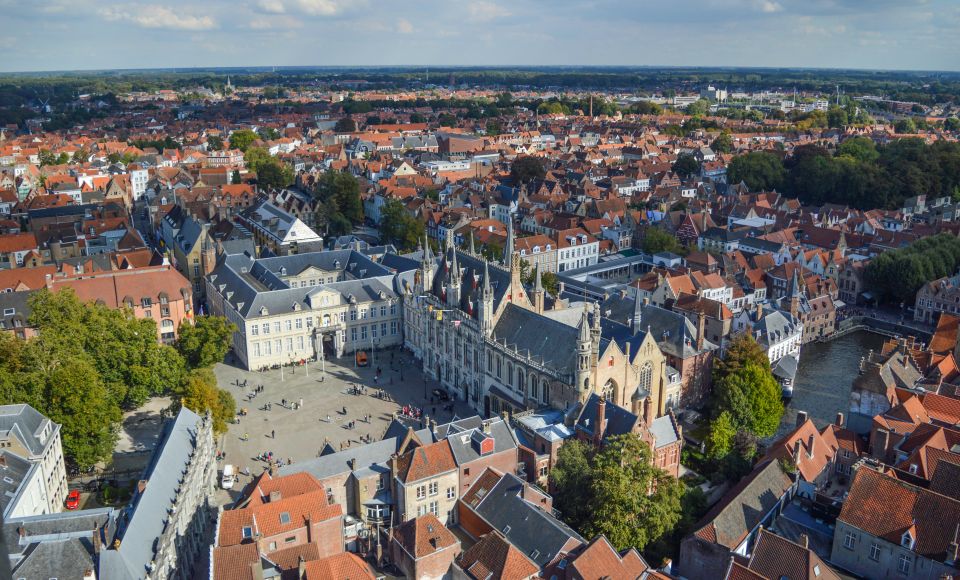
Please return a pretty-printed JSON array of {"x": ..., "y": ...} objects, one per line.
[{"x": 101, "y": 34}]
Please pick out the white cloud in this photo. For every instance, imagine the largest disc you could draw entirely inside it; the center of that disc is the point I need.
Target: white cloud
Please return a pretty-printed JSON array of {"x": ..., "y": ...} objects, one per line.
[
  {"x": 320, "y": 7},
  {"x": 271, "y": 6},
  {"x": 483, "y": 11},
  {"x": 155, "y": 16},
  {"x": 404, "y": 26},
  {"x": 768, "y": 6}
]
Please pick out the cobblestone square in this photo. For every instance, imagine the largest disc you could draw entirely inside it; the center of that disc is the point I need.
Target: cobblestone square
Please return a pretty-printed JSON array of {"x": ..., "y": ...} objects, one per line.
[{"x": 274, "y": 424}]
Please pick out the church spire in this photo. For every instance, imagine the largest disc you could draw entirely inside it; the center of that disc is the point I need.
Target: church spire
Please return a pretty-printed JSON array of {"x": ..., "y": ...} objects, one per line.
[
  {"x": 508, "y": 250},
  {"x": 637, "y": 312}
]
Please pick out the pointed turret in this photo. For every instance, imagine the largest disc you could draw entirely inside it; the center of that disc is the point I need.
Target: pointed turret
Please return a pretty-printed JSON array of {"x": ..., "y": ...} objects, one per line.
[
  {"x": 508, "y": 250},
  {"x": 637, "y": 312},
  {"x": 485, "y": 314},
  {"x": 595, "y": 333},
  {"x": 538, "y": 293},
  {"x": 582, "y": 378},
  {"x": 473, "y": 250}
]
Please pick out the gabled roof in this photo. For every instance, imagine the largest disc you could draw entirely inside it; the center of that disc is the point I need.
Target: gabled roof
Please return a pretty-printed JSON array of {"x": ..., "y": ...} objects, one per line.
[
  {"x": 742, "y": 508},
  {"x": 494, "y": 558},
  {"x": 886, "y": 507},
  {"x": 600, "y": 560},
  {"x": 425, "y": 461},
  {"x": 423, "y": 536},
  {"x": 775, "y": 557}
]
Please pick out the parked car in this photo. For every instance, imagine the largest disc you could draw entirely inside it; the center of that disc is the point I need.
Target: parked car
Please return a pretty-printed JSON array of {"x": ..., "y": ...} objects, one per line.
[{"x": 73, "y": 499}]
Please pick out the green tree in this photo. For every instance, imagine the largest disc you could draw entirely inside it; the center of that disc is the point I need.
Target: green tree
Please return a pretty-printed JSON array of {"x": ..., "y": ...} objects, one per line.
[
  {"x": 645, "y": 108},
  {"x": 340, "y": 205},
  {"x": 47, "y": 157},
  {"x": 761, "y": 171},
  {"x": 268, "y": 133},
  {"x": 526, "y": 169},
  {"x": 399, "y": 227},
  {"x": 656, "y": 240},
  {"x": 494, "y": 127},
  {"x": 951, "y": 124},
  {"x": 859, "y": 148},
  {"x": 571, "y": 481},
  {"x": 242, "y": 139},
  {"x": 200, "y": 394},
  {"x": 699, "y": 108},
  {"x": 741, "y": 351},
  {"x": 214, "y": 143},
  {"x": 752, "y": 396},
  {"x": 836, "y": 117},
  {"x": 235, "y": 178},
  {"x": 447, "y": 120},
  {"x": 905, "y": 126},
  {"x": 723, "y": 143},
  {"x": 686, "y": 165},
  {"x": 622, "y": 507},
  {"x": 719, "y": 440},
  {"x": 417, "y": 118},
  {"x": 345, "y": 125},
  {"x": 206, "y": 341}
]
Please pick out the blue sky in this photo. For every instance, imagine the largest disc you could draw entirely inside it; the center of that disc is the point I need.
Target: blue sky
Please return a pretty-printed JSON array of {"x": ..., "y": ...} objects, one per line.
[{"x": 88, "y": 34}]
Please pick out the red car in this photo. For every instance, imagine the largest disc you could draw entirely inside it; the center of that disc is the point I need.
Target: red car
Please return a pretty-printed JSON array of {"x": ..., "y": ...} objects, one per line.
[{"x": 73, "y": 499}]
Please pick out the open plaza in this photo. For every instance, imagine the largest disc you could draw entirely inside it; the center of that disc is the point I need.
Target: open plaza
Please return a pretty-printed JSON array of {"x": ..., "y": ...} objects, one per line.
[{"x": 335, "y": 402}]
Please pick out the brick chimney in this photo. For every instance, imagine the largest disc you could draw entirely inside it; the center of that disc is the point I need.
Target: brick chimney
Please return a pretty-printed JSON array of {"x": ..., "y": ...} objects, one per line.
[
  {"x": 839, "y": 420},
  {"x": 804, "y": 541},
  {"x": 810, "y": 446},
  {"x": 701, "y": 324},
  {"x": 796, "y": 452},
  {"x": 601, "y": 418},
  {"x": 801, "y": 418},
  {"x": 647, "y": 411},
  {"x": 274, "y": 495}
]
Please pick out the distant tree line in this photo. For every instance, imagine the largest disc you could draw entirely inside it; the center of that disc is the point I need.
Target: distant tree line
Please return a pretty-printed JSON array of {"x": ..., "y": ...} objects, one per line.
[
  {"x": 860, "y": 173},
  {"x": 898, "y": 274}
]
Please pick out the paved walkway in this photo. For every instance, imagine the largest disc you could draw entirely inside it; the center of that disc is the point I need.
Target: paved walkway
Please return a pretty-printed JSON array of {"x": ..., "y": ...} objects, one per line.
[{"x": 300, "y": 433}]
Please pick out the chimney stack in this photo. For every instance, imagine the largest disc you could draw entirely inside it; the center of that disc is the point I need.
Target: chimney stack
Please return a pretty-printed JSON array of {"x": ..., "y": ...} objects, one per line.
[
  {"x": 601, "y": 417},
  {"x": 801, "y": 418},
  {"x": 810, "y": 446},
  {"x": 648, "y": 410},
  {"x": 805, "y": 541},
  {"x": 274, "y": 495},
  {"x": 701, "y": 323},
  {"x": 839, "y": 421}
]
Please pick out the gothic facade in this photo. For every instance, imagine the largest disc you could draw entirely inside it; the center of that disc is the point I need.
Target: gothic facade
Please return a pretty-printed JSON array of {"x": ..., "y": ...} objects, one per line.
[{"x": 485, "y": 337}]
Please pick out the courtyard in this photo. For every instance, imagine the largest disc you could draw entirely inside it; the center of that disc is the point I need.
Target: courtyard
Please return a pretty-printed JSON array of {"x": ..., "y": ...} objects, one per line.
[{"x": 308, "y": 407}]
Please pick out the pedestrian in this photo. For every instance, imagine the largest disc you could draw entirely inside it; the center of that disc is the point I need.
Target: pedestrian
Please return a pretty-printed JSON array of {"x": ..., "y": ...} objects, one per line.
[
  {"x": 328, "y": 418},
  {"x": 301, "y": 403},
  {"x": 344, "y": 409},
  {"x": 273, "y": 434},
  {"x": 245, "y": 437},
  {"x": 284, "y": 402}
]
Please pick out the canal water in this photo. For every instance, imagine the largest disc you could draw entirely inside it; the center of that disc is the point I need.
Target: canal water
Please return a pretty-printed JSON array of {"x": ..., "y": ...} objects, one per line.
[{"x": 825, "y": 376}]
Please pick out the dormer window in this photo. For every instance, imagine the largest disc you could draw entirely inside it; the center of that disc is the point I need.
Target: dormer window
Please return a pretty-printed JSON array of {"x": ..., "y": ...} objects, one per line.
[{"x": 907, "y": 540}]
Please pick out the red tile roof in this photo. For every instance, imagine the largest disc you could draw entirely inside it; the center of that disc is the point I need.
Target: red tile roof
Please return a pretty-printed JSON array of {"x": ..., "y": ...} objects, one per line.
[
  {"x": 265, "y": 519},
  {"x": 345, "y": 566},
  {"x": 427, "y": 461},
  {"x": 494, "y": 558},
  {"x": 600, "y": 560},
  {"x": 423, "y": 536}
]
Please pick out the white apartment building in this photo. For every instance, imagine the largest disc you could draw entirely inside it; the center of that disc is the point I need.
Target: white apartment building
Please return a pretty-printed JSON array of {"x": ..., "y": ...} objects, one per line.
[
  {"x": 575, "y": 249},
  {"x": 33, "y": 476}
]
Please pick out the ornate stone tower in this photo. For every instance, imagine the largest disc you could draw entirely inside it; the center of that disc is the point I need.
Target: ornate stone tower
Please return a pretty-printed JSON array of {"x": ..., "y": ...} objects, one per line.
[
  {"x": 486, "y": 303},
  {"x": 584, "y": 353}
]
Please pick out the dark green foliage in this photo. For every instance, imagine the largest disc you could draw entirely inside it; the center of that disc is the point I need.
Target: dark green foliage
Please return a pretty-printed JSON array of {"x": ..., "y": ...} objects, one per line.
[
  {"x": 340, "y": 206},
  {"x": 345, "y": 125},
  {"x": 242, "y": 139},
  {"x": 206, "y": 342},
  {"x": 656, "y": 240},
  {"x": 686, "y": 165},
  {"x": 526, "y": 169},
  {"x": 898, "y": 274},
  {"x": 760, "y": 170},
  {"x": 399, "y": 227},
  {"x": 607, "y": 492}
]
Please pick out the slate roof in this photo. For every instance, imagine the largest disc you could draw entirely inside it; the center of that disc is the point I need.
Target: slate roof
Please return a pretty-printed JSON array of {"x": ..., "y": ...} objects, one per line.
[
  {"x": 545, "y": 339},
  {"x": 743, "y": 507},
  {"x": 26, "y": 424},
  {"x": 459, "y": 434},
  {"x": 145, "y": 519},
  {"x": 534, "y": 532},
  {"x": 56, "y": 545},
  {"x": 249, "y": 284}
]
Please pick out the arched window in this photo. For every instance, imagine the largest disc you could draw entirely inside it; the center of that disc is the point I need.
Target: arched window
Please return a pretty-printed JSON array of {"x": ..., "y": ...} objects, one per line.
[
  {"x": 499, "y": 366},
  {"x": 609, "y": 390},
  {"x": 489, "y": 362},
  {"x": 533, "y": 387},
  {"x": 646, "y": 376},
  {"x": 520, "y": 381},
  {"x": 545, "y": 392},
  {"x": 509, "y": 373}
]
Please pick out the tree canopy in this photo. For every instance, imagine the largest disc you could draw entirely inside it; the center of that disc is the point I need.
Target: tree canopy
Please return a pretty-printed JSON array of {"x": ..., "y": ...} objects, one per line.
[
  {"x": 271, "y": 172},
  {"x": 399, "y": 227},
  {"x": 339, "y": 206},
  {"x": 656, "y": 240},
  {"x": 898, "y": 274},
  {"x": 345, "y": 125},
  {"x": 608, "y": 492},
  {"x": 686, "y": 165},
  {"x": 760, "y": 170},
  {"x": 242, "y": 139},
  {"x": 526, "y": 169},
  {"x": 206, "y": 342}
]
